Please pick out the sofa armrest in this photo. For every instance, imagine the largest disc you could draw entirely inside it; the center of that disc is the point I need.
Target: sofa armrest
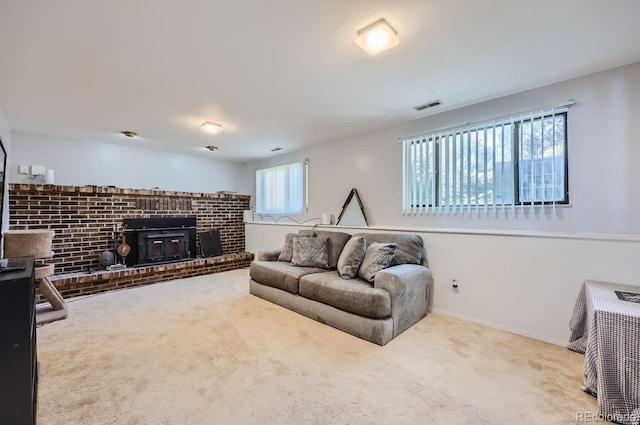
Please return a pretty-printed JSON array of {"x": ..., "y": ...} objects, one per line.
[
  {"x": 410, "y": 287},
  {"x": 268, "y": 255}
]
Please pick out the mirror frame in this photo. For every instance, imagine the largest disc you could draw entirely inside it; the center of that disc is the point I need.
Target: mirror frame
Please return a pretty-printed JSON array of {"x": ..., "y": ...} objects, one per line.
[
  {"x": 3, "y": 185},
  {"x": 353, "y": 197}
]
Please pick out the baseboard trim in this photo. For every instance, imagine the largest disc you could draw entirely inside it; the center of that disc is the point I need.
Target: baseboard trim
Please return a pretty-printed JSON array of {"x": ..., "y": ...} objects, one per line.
[{"x": 500, "y": 327}]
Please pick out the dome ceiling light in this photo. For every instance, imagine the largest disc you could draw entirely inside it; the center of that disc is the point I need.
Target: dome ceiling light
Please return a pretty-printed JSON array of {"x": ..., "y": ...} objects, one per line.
[
  {"x": 377, "y": 37},
  {"x": 211, "y": 127}
]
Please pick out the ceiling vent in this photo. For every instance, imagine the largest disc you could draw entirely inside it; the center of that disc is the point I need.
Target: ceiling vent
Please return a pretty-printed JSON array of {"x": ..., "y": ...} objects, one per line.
[{"x": 428, "y": 105}]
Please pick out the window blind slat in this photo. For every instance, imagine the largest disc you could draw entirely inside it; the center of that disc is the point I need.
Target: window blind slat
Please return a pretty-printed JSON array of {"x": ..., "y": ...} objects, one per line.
[
  {"x": 454, "y": 173},
  {"x": 520, "y": 156},
  {"x": 543, "y": 194},
  {"x": 553, "y": 162},
  {"x": 405, "y": 178},
  {"x": 419, "y": 182},
  {"x": 475, "y": 194},
  {"x": 502, "y": 194},
  {"x": 493, "y": 166},
  {"x": 428, "y": 187},
  {"x": 434, "y": 158},
  {"x": 469, "y": 167},
  {"x": 461, "y": 173},
  {"x": 426, "y": 184},
  {"x": 446, "y": 174},
  {"x": 414, "y": 159},
  {"x": 532, "y": 175},
  {"x": 485, "y": 170}
]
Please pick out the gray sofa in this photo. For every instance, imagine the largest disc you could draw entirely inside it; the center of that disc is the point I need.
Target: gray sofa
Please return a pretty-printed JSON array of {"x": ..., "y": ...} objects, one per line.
[{"x": 379, "y": 311}]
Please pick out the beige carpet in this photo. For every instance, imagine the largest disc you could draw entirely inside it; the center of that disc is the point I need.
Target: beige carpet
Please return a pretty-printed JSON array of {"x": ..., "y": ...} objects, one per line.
[{"x": 204, "y": 351}]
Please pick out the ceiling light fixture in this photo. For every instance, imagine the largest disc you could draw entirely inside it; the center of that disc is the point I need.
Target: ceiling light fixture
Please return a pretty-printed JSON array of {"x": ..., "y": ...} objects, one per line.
[
  {"x": 212, "y": 148},
  {"x": 129, "y": 133},
  {"x": 377, "y": 37},
  {"x": 211, "y": 127}
]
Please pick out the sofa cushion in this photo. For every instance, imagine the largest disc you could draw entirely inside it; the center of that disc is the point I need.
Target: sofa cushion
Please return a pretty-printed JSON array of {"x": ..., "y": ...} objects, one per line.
[
  {"x": 353, "y": 295},
  {"x": 410, "y": 247},
  {"x": 310, "y": 252},
  {"x": 351, "y": 257},
  {"x": 287, "y": 249},
  {"x": 337, "y": 240},
  {"x": 279, "y": 274},
  {"x": 377, "y": 257}
]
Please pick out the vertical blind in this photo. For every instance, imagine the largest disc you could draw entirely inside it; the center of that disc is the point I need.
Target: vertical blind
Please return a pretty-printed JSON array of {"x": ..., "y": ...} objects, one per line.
[
  {"x": 280, "y": 190},
  {"x": 496, "y": 164}
]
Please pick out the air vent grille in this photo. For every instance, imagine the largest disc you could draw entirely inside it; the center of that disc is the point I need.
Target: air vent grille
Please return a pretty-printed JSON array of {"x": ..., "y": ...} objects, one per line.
[{"x": 428, "y": 105}]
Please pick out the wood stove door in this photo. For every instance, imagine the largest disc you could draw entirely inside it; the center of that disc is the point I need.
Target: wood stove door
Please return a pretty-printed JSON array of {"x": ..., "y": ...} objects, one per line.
[
  {"x": 155, "y": 249},
  {"x": 163, "y": 246},
  {"x": 173, "y": 248}
]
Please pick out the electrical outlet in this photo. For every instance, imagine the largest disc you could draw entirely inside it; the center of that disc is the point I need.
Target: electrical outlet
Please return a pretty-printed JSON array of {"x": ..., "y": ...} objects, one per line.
[{"x": 23, "y": 169}]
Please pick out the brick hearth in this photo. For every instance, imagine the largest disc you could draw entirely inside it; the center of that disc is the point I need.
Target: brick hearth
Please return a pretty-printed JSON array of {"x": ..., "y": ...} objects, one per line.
[{"x": 77, "y": 284}]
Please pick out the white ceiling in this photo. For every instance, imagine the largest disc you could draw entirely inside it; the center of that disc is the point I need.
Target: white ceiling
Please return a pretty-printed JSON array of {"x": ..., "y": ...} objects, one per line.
[{"x": 284, "y": 73}]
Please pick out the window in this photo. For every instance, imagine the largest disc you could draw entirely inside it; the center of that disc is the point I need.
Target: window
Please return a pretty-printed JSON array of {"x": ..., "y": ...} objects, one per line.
[
  {"x": 500, "y": 163},
  {"x": 280, "y": 190}
]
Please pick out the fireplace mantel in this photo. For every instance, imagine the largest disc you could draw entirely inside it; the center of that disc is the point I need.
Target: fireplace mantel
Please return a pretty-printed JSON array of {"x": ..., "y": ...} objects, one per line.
[{"x": 54, "y": 188}]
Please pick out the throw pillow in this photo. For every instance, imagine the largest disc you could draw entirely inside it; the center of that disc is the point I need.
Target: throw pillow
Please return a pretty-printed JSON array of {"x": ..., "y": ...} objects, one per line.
[
  {"x": 287, "y": 249},
  {"x": 351, "y": 257},
  {"x": 310, "y": 252},
  {"x": 377, "y": 257},
  {"x": 337, "y": 240},
  {"x": 410, "y": 247}
]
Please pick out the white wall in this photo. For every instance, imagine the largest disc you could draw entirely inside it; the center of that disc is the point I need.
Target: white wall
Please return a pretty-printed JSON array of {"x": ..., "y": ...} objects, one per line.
[
  {"x": 524, "y": 283},
  {"x": 521, "y": 271},
  {"x": 90, "y": 163},
  {"x": 603, "y": 152}
]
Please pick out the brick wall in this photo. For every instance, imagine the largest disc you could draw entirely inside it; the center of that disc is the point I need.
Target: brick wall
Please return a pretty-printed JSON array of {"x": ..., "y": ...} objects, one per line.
[{"x": 83, "y": 217}]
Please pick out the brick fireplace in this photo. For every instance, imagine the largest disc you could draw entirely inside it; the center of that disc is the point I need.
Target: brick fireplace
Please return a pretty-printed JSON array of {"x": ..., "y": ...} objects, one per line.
[{"x": 84, "y": 217}]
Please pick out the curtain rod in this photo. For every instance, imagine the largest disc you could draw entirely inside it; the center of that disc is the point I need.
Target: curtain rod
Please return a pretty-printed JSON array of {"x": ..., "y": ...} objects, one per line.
[{"x": 565, "y": 105}]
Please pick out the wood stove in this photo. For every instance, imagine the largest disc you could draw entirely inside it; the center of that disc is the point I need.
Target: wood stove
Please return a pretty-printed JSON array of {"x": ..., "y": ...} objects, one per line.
[{"x": 159, "y": 240}]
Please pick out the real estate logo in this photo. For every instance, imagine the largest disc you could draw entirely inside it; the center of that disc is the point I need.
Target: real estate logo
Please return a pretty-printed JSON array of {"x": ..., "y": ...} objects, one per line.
[{"x": 632, "y": 418}]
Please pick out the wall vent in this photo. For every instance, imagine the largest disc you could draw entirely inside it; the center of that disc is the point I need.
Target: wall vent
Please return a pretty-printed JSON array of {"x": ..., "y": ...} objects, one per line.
[{"x": 428, "y": 105}]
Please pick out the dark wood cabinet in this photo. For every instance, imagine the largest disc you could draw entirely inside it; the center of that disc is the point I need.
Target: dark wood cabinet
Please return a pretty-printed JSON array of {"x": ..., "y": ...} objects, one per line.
[{"x": 18, "y": 360}]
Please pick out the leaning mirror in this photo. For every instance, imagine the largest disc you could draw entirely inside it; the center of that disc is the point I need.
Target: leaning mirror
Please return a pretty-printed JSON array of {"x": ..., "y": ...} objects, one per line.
[
  {"x": 3, "y": 164},
  {"x": 352, "y": 212}
]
